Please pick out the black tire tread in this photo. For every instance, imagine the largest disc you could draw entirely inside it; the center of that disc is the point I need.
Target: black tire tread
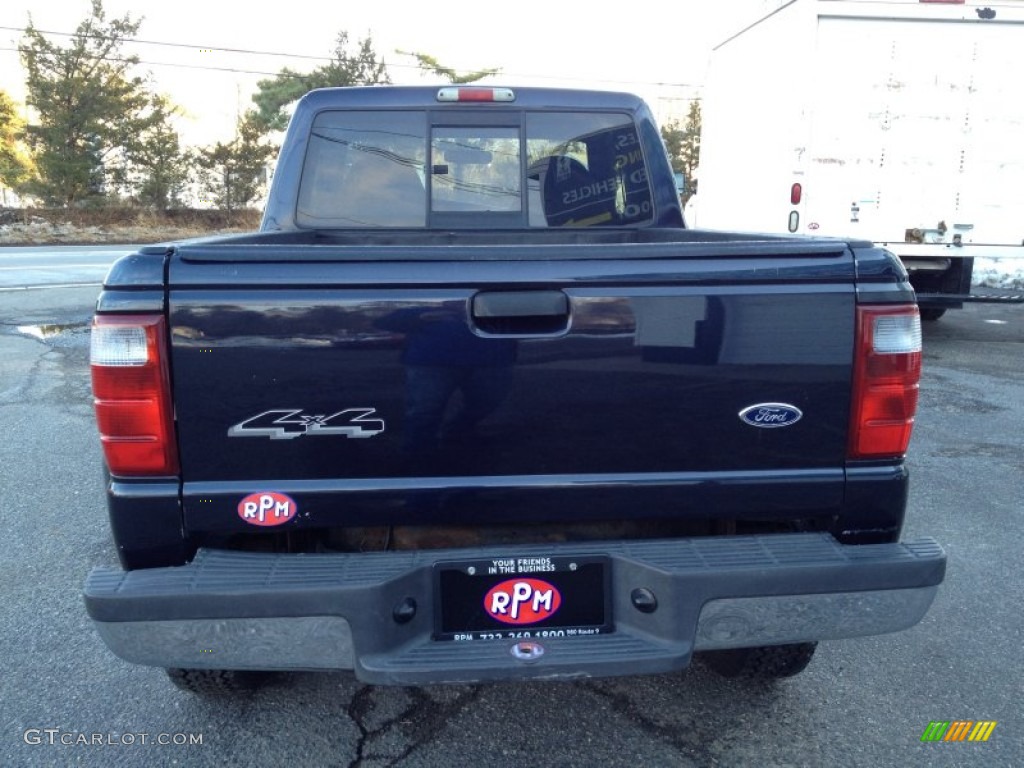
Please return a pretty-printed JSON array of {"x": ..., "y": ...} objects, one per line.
[
  {"x": 216, "y": 682},
  {"x": 769, "y": 662},
  {"x": 931, "y": 314}
]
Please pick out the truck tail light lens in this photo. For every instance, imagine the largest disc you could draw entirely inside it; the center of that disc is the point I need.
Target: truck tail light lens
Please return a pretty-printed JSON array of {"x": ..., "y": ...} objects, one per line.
[
  {"x": 886, "y": 376},
  {"x": 132, "y": 393},
  {"x": 796, "y": 194}
]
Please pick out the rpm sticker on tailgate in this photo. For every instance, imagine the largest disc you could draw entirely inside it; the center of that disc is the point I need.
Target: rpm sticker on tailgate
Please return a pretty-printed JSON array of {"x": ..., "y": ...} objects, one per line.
[{"x": 267, "y": 508}]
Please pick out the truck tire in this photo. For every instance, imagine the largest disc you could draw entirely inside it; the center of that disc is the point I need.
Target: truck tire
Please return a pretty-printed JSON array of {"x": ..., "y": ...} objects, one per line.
[
  {"x": 769, "y": 662},
  {"x": 216, "y": 682},
  {"x": 931, "y": 314}
]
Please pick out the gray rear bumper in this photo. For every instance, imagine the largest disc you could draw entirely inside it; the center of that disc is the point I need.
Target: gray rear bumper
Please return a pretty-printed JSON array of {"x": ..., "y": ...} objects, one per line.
[{"x": 239, "y": 610}]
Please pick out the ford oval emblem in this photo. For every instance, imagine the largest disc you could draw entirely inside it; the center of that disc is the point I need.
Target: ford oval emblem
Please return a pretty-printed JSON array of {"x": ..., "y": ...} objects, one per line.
[{"x": 771, "y": 415}]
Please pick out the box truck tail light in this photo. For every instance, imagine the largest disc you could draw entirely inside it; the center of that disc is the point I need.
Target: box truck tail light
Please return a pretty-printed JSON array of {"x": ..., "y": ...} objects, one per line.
[
  {"x": 796, "y": 193},
  {"x": 886, "y": 372},
  {"x": 132, "y": 394}
]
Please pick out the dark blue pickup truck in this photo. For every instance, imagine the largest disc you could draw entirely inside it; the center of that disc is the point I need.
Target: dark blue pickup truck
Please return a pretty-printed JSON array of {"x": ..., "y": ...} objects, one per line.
[{"x": 475, "y": 405}]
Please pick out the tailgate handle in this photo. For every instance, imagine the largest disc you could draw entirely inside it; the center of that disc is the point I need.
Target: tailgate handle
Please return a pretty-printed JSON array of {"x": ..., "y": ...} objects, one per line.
[
  {"x": 520, "y": 304},
  {"x": 521, "y": 313}
]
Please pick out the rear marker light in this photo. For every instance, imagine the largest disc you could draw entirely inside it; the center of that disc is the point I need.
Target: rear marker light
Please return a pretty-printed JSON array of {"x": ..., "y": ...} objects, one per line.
[
  {"x": 886, "y": 376},
  {"x": 796, "y": 193},
  {"x": 132, "y": 394}
]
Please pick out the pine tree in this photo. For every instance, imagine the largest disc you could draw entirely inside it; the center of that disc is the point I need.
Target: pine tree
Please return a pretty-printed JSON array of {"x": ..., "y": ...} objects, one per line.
[
  {"x": 683, "y": 145},
  {"x": 232, "y": 174},
  {"x": 161, "y": 167},
  {"x": 361, "y": 67},
  {"x": 431, "y": 65},
  {"x": 15, "y": 164},
  {"x": 91, "y": 112}
]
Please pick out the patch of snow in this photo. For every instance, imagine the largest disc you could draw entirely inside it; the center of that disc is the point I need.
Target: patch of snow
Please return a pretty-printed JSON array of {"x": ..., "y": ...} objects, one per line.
[{"x": 1006, "y": 273}]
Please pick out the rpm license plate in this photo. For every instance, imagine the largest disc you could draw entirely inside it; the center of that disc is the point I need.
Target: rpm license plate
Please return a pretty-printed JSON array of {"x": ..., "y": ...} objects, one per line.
[{"x": 522, "y": 597}]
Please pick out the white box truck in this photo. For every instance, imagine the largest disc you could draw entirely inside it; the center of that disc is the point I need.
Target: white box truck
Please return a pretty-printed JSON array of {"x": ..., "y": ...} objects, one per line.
[{"x": 901, "y": 122}]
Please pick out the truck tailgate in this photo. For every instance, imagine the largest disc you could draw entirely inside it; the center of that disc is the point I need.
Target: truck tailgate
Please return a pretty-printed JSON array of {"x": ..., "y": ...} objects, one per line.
[{"x": 476, "y": 390}]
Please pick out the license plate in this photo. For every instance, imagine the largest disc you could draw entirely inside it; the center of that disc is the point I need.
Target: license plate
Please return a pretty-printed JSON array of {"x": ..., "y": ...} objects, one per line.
[{"x": 522, "y": 597}]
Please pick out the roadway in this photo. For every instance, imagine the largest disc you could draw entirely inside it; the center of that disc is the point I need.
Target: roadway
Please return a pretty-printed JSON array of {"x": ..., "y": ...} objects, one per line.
[{"x": 27, "y": 267}]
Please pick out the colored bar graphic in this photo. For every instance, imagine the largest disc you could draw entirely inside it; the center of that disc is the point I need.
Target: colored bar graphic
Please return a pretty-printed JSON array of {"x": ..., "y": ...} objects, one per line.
[
  {"x": 982, "y": 731},
  {"x": 958, "y": 730}
]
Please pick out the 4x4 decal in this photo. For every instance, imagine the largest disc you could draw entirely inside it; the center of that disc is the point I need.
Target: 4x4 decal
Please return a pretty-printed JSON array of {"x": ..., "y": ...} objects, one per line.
[{"x": 289, "y": 423}]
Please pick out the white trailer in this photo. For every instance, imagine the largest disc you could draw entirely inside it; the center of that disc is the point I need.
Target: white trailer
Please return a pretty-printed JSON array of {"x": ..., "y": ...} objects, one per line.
[{"x": 900, "y": 122}]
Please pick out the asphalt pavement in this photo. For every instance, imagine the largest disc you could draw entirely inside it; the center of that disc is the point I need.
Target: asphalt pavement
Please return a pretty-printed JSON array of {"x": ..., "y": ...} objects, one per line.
[
  {"x": 64, "y": 699},
  {"x": 37, "y": 266}
]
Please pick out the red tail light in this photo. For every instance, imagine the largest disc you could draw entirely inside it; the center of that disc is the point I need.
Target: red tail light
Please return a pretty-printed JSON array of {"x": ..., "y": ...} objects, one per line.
[
  {"x": 132, "y": 391},
  {"x": 886, "y": 372}
]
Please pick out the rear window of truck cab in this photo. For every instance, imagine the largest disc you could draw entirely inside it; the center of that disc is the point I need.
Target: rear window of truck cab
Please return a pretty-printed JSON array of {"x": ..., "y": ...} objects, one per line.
[{"x": 409, "y": 169}]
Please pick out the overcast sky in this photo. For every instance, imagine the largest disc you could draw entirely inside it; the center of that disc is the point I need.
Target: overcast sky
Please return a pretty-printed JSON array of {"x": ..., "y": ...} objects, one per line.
[{"x": 657, "y": 48}]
